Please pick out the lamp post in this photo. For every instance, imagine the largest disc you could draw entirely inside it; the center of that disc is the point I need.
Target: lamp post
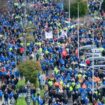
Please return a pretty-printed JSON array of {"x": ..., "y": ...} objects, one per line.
[
  {"x": 85, "y": 18},
  {"x": 93, "y": 65},
  {"x": 69, "y": 10},
  {"x": 12, "y": 101},
  {"x": 5, "y": 35},
  {"x": 28, "y": 97},
  {"x": 78, "y": 30},
  {"x": 25, "y": 26}
]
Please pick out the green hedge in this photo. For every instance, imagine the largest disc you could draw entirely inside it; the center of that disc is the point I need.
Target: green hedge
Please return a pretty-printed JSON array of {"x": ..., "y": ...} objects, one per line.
[
  {"x": 22, "y": 101},
  {"x": 20, "y": 84}
]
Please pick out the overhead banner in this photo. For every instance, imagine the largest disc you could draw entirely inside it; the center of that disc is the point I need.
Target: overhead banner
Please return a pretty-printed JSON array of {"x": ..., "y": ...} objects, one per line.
[{"x": 49, "y": 35}]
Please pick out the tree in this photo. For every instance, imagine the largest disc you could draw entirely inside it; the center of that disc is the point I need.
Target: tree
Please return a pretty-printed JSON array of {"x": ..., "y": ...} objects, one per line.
[
  {"x": 3, "y": 5},
  {"x": 30, "y": 28},
  {"x": 30, "y": 38},
  {"x": 74, "y": 7},
  {"x": 103, "y": 6},
  {"x": 30, "y": 70},
  {"x": 103, "y": 53}
]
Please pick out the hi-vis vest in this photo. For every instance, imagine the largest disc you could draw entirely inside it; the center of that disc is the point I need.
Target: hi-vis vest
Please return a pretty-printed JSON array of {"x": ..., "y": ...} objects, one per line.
[
  {"x": 56, "y": 70},
  {"x": 50, "y": 83},
  {"x": 78, "y": 86},
  {"x": 71, "y": 88}
]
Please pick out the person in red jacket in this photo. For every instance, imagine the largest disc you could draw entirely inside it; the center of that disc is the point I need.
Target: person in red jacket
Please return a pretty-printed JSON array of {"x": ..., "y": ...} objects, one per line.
[
  {"x": 64, "y": 53},
  {"x": 22, "y": 50},
  {"x": 88, "y": 62}
]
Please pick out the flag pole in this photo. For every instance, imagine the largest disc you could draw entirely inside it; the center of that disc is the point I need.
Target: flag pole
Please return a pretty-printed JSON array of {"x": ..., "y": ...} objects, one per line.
[
  {"x": 69, "y": 10},
  {"x": 25, "y": 25},
  {"x": 93, "y": 65},
  {"x": 78, "y": 31}
]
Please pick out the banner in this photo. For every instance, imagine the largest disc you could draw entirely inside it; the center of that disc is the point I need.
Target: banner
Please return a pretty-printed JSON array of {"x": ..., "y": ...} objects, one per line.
[{"x": 49, "y": 35}]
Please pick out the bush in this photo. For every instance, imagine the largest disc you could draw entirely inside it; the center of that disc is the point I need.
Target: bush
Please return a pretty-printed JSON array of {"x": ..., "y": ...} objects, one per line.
[
  {"x": 20, "y": 84},
  {"x": 30, "y": 70},
  {"x": 74, "y": 8},
  {"x": 22, "y": 101},
  {"x": 29, "y": 37}
]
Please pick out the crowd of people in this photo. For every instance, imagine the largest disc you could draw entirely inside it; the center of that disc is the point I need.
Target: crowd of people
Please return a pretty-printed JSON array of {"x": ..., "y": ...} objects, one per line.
[
  {"x": 94, "y": 6},
  {"x": 62, "y": 63}
]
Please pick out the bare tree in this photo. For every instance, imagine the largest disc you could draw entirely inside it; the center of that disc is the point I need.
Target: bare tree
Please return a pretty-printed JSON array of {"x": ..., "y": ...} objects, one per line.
[{"x": 3, "y": 4}]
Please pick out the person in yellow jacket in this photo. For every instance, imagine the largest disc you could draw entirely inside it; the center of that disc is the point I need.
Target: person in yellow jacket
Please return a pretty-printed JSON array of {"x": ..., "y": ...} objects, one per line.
[
  {"x": 71, "y": 88},
  {"x": 70, "y": 91},
  {"x": 78, "y": 86},
  {"x": 50, "y": 83},
  {"x": 56, "y": 71}
]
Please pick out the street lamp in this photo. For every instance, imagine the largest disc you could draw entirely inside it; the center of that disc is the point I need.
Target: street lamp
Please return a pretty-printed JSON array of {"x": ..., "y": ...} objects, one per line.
[
  {"x": 69, "y": 9},
  {"x": 26, "y": 28},
  {"x": 78, "y": 30},
  {"x": 12, "y": 101},
  {"x": 25, "y": 13},
  {"x": 93, "y": 64}
]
